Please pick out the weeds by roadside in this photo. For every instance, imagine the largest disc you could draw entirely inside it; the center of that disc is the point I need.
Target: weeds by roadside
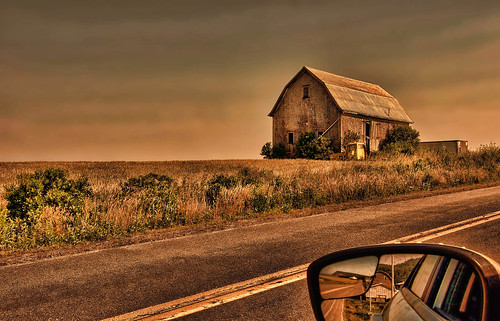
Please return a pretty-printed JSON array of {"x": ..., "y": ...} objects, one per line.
[{"x": 122, "y": 198}]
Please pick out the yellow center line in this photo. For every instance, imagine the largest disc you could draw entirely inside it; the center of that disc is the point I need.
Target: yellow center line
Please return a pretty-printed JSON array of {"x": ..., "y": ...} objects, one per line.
[
  {"x": 209, "y": 299},
  {"x": 447, "y": 229}
]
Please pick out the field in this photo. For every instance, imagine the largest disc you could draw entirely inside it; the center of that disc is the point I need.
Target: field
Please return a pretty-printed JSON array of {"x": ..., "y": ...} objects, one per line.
[
  {"x": 357, "y": 310},
  {"x": 124, "y": 198}
]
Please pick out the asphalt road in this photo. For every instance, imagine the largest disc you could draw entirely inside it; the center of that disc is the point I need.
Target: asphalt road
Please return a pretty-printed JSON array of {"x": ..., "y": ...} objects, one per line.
[
  {"x": 110, "y": 282},
  {"x": 291, "y": 302}
]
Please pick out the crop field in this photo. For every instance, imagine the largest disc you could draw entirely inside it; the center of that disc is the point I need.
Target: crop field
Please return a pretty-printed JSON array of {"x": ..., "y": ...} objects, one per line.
[{"x": 52, "y": 203}]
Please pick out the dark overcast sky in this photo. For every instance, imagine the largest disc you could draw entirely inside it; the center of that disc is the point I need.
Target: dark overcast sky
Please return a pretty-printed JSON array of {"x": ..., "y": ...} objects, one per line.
[{"x": 163, "y": 80}]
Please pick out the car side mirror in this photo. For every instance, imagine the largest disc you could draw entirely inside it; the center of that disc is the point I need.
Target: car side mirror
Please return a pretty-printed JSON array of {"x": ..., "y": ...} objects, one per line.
[{"x": 429, "y": 281}]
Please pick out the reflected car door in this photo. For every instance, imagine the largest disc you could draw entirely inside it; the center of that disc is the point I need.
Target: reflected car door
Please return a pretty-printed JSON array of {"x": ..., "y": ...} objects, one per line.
[{"x": 439, "y": 288}]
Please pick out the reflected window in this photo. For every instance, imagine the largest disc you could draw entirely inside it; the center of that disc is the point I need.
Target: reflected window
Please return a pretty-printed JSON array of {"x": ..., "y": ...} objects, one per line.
[
  {"x": 462, "y": 290},
  {"x": 423, "y": 275},
  {"x": 449, "y": 287}
]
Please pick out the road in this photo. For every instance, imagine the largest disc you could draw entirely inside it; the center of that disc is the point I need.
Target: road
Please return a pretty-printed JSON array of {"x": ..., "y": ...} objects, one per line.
[
  {"x": 334, "y": 290},
  {"x": 291, "y": 302},
  {"x": 111, "y": 282}
]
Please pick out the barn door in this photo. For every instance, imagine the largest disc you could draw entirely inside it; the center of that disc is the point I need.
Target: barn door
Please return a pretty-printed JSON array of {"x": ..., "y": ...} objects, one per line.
[{"x": 368, "y": 128}]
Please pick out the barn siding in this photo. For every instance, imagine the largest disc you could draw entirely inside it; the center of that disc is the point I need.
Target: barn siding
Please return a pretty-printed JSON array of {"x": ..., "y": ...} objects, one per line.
[
  {"x": 378, "y": 129},
  {"x": 379, "y": 132},
  {"x": 299, "y": 115}
]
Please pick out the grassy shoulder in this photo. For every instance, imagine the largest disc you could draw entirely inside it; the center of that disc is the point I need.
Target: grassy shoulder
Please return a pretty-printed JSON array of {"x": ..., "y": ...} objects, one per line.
[
  {"x": 358, "y": 310},
  {"x": 16, "y": 256},
  {"x": 99, "y": 202}
]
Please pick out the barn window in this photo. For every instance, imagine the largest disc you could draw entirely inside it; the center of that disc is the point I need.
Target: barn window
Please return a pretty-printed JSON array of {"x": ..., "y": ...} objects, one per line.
[
  {"x": 305, "y": 92},
  {"x": 290, "y": 138}
]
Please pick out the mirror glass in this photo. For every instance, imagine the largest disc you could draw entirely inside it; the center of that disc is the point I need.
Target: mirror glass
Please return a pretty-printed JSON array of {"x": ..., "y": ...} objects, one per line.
[
  {"x": 400, "y": 283},
  {"x": 347, "y": 278}
]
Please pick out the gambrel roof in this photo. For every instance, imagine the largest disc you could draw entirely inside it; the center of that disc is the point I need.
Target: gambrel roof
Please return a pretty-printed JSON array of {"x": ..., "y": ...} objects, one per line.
[{"x": 355, "y": 97}]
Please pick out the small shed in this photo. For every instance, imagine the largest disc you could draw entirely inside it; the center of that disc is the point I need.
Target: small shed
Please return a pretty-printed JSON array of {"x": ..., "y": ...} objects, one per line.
[{"x": 451, "y": 146}]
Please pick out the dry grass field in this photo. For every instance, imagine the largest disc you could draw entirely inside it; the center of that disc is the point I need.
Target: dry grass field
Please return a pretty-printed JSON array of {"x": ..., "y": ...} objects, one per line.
[{"x": 122, "y": 198}]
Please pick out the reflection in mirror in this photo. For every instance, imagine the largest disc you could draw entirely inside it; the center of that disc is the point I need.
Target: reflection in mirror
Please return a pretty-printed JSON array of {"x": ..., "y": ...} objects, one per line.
[
  {"x": 388, "y": 274},
  {"x": 391, "y": 274},
  {"x": 347, "y": 278}
]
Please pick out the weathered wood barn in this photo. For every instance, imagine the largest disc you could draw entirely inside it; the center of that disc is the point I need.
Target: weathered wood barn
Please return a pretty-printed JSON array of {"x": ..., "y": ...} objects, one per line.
[
  {"x": 330, "y": 105},
  {"x": 380, "y": 290}
]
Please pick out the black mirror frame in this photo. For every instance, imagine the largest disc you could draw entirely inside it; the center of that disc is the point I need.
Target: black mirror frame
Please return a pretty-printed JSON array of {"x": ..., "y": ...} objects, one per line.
[{"x": 487, "y": 270}]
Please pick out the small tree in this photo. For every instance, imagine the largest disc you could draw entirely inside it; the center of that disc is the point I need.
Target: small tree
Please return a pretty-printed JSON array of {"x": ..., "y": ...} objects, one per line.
[
  {"x": 349, "y": 137},
  {"x": 312, "y": 147},
  {"x": 269, "y": 151},
  {"x": 305, "y": 146},
  {"x": 401, "y": 139}
]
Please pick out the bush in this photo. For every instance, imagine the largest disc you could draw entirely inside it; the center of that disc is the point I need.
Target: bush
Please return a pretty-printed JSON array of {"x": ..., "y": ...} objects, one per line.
[
  {"x": 157, "y": 196},
  {"x": 488, "y": 155},
  {"x": 259, "y": 203},
  {"x": 251, "y": 176},
  {"x": 215, "y": 186},
  {"x": 312, "y": 147},
  {"x": 148, "y": 181},
  {"x": 49, "y": 188},
  {"x": 279, "y": 151},
  {"x": 401, "y": 139},
  {"x": 269, "y": 151}
]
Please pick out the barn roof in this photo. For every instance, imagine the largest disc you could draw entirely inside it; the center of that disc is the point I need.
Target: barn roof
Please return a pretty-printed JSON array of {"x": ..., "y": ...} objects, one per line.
[{"x": 355, "y": 97}]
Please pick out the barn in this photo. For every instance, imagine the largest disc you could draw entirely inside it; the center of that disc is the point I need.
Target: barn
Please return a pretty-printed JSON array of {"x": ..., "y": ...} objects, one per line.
[
  {"x": 331, "y": 105},
  {"x": 380, "y": 290}
]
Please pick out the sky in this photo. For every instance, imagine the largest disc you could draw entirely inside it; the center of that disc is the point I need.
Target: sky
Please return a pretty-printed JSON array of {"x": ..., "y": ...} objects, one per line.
[
  {"x": 184, "y": 80},
  {"x": 365, "y": 265}
]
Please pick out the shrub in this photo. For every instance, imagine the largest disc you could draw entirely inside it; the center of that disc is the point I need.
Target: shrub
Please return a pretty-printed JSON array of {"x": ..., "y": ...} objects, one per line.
[
  {"x": 157, "y": 195},
  {"x": 251, "y": 176},
  {"x": 259, "y": 203},
  {"x": 45, "y": 188},
  {"x": 151, "y": 180},
  {"x": 401, "y": 139},
  {"x": 279, "y": 151},
  {"x": 312, "y": 147},
  {"x": 159, "y": 204},
  {"x": 215, "y": 186},
  {"x": 269, "y": 151},
  {"x": 487, "y": 156}
]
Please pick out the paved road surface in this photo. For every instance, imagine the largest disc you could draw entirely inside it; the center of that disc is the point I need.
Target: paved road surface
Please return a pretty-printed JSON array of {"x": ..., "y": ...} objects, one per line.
[
  {"x": 333, "y": 290},
  {"x": 115, "y": 281},
  {"x": 333, "y": 309},
  {"x": 291, "y": 302}
]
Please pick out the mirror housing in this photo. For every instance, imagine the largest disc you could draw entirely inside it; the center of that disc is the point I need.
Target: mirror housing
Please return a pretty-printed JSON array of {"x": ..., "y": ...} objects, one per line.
[{"x": 485, "y": 269}]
